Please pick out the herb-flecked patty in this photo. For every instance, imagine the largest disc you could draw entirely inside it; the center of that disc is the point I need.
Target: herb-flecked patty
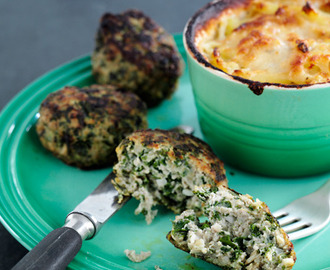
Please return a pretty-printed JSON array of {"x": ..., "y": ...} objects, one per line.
[
  {"x": 163, "y": 167},
  {"x": 83, "y": 126},
  {"x": 238, "y": 233},
  {"x": 134, "y": 53}
]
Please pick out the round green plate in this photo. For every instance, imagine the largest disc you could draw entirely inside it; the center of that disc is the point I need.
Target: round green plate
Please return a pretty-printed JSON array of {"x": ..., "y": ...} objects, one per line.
[{"x": 38, "y": 190}]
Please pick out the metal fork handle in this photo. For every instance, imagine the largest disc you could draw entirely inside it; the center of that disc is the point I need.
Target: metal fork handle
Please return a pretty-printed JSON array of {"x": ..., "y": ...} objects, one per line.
[
  {"x": 325, "y": 188},
  {"x": 323, "y": 191}
]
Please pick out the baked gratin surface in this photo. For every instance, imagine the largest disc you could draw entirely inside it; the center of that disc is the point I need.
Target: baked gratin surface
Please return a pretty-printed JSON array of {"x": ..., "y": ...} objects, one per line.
[
  {"x": 83, "y": 126},
  {"x": 237, "y": 232},
  {"x": 163, "y": 167},
  {"x": 281, "y": 41}
]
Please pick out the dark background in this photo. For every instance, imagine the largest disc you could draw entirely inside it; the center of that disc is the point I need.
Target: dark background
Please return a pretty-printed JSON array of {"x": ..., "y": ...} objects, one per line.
[{"x": 38, "y": 35}]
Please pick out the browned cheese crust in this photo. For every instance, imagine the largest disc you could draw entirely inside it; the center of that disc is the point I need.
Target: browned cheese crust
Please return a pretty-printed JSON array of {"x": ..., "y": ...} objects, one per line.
[{"x": 266, "y": 42}]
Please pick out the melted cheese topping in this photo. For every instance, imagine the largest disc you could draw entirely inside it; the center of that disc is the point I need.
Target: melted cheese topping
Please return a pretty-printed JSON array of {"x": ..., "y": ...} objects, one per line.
[{"x": 286, "y": 42}]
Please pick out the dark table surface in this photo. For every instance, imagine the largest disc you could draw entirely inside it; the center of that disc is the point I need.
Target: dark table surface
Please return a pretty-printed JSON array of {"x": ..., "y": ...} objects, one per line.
[{"x": 38, "y": 35}]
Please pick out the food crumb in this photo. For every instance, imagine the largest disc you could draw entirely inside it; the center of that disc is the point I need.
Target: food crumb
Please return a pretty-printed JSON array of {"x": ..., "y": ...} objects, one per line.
[{"x": 131, "y": 254}]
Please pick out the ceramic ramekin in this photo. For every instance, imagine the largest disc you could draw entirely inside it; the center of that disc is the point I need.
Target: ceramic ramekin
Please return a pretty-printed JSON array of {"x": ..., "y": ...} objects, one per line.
[{"x": 282, "y": 132}]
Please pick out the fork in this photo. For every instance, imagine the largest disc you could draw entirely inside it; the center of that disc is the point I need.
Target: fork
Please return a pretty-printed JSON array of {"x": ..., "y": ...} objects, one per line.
[{"x": 306, "y": 215}]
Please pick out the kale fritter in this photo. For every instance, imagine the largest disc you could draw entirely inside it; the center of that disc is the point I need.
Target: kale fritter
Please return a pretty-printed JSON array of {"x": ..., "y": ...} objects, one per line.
[
  {"x": 238, "y": 233},
  {"x": 83, "y": 126},
  {"x": 163, "y": 167},
  {"x": 134, "y": 53}
]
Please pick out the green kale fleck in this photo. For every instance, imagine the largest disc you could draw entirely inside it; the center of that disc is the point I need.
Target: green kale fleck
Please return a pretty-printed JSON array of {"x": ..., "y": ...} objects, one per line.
[
  {"x": 179, "y": 226},
  {"x": 270, "y": 218},
  {"x": 185, "y": 173},
  {"x": 223, "y": 202},
  {"x": 240, "y": 242},
  {"x": 145, "y": 181},
  {"x": 227, "y": 241},
  {"x": 255, "y": 230},
  {"x": 226, "y": 203},
  {"x": 202, "y": 195},
  {"x": 216, "y": 215},
  {"x": 178, "y": 162},
  {"x": 141, "y": 154},
  {"x": 214, "y": 189},
  {"x": 273, "y": 227},
  {"x": 191, "y": 217},
  {"x": 206, "y": 224},
  {"x": 225, "y": 248},
  {"x": 162, "y": 152},
  {"x": 138, "y": 169},
  {"x": 155, "y": 163},
  {"x": 236, "y": 254},
  {"x": 167, "y": 190}
]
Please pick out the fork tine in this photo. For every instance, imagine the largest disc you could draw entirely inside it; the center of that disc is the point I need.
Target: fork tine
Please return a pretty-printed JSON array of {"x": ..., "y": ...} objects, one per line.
[
  {"x": 288, "y": 219},
  {"x": 296, "y": 226},
  {"x": 306, "y": 215},
  {"x": 280, "y": 213},
  {"x": 303, "y": 232}
]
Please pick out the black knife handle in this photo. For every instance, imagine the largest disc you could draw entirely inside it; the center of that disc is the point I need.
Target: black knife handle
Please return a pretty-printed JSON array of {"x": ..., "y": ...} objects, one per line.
[{"x": 54, "y": 252}]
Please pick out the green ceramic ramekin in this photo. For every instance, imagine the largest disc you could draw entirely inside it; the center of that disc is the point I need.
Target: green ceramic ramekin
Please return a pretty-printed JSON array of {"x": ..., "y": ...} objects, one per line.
[{"x": 283, "y": 132}]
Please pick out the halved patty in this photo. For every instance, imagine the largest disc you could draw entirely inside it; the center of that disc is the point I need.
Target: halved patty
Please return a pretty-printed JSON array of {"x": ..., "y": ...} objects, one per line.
[
  {"x": 83, "y": 126},
  {"x": 238, "y": 233},
  {"x": 163, "y": 167},
  {"x": 134, "y": 53}
]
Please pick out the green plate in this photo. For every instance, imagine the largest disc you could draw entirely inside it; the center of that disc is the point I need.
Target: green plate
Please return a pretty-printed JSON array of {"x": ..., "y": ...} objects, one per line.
[{"x": 38, "y": 191}]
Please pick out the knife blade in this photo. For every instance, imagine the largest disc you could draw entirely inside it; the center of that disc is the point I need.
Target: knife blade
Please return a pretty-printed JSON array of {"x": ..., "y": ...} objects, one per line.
[
  {"x": 98, "y": 207},
  {"x": 61, "y": 245}
]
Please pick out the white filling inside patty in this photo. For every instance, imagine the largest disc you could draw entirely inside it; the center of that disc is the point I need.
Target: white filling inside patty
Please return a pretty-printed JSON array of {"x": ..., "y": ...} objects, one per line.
[
  {"x": 151, "y": 176},
  {"x": 238, "y": 233}
]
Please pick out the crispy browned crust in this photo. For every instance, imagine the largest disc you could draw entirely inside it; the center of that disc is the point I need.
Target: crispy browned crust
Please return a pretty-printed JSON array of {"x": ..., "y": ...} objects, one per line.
[
  {"x": 138, "y": 55},
  {"x": 183, "y": 248},
  {"x": 82, "y": 126},
  {"x": 182, "y": 145}
]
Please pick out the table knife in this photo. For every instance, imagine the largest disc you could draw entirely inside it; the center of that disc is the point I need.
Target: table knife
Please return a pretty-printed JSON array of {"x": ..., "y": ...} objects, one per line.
[{"x": 60, "y": 246}]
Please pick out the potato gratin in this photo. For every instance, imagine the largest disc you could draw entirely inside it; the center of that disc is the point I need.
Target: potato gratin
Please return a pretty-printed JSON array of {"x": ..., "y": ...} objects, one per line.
[{"x": 284, "y": 42}]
